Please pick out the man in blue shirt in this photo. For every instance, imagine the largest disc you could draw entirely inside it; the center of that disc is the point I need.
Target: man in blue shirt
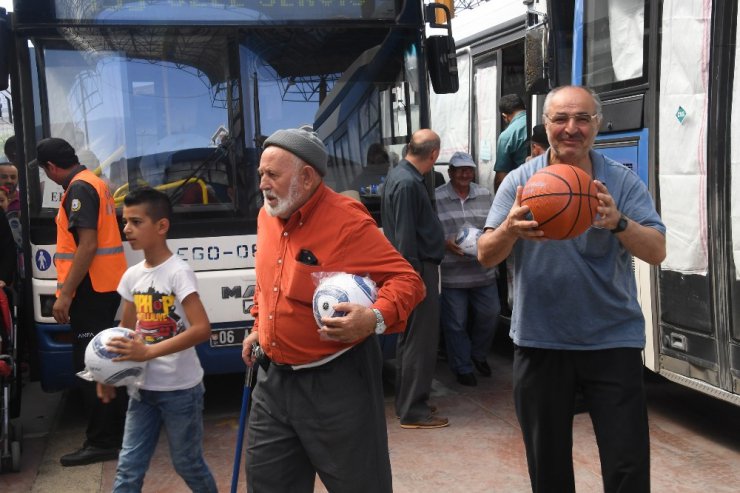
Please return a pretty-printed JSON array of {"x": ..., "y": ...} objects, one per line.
[
  {"x": 576, "y": 321},
  {"x": 511, "y": 149}
]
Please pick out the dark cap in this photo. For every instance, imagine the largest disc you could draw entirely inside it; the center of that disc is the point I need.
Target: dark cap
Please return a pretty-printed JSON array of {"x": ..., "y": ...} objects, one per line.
[
  {"x": 303, "y": 143},
  {"x": 57, "y": 151},
  {"x": 539, "y": 136}
]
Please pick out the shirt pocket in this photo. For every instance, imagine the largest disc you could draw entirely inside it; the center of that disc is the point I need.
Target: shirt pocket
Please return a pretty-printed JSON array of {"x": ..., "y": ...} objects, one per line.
[
  {"x": 594, "y": 243},
  {"x": 300, "y": 284}
]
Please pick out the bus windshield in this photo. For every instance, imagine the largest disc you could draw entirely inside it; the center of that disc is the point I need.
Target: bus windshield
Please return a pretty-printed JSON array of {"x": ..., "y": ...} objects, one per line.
[
  {"x": 181, "y": 96},
  {"x": 185, "y": 110}
]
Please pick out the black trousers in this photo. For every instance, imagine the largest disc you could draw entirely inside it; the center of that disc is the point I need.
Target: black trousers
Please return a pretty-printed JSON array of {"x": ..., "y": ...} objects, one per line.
[
  {"x": 545, "y": 382},
  {"x": 328, "y": 420},
  {"x": 90, "y": 313},
  {"x": 416, "y": 352}
]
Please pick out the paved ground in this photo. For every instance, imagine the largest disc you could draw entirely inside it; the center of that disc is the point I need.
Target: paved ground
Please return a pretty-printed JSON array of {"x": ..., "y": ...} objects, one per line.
[{"x": 695, "y": 442}]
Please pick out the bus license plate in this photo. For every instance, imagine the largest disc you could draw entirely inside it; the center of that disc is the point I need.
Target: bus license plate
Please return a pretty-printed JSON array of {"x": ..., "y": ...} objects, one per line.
[{"x": 227, "y": 337}]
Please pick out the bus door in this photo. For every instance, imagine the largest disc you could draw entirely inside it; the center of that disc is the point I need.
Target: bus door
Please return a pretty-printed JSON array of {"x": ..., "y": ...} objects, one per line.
[
  {"x": 671, "y": 125},
  {"x": 699, "y": 287}
]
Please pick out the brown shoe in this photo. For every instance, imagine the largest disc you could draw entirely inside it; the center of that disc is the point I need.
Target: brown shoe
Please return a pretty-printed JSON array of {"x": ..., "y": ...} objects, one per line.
[{"x": 429, "y": 423}]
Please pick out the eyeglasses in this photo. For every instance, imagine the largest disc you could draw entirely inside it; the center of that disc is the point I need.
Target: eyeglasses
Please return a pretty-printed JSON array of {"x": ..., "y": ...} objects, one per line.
[{"x": 581, "y": 119}]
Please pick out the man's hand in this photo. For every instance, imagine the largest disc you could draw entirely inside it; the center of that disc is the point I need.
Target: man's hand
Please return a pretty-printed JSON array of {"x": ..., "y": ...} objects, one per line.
[
  {"x": 454, "y": 248},
  {"x": 516, "y": 223},
  {"x": 61, "y": 308},
  {"x": 357, "y": 324},
  {"x": 247, "y": 355},
  {"x": 607, "y": 214},
  {"x": 130, "y": 349},
  {"x": 106, "y": 393}
]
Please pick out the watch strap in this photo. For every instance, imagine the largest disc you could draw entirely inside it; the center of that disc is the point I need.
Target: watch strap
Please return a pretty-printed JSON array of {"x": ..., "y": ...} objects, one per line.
[
  {"x": 621, "y": 224},
  {"x": 379, "y": 321}
]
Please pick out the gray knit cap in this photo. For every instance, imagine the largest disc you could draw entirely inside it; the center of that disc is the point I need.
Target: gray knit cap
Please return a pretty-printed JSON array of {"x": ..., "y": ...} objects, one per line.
[{"x": 303, "y": 143}]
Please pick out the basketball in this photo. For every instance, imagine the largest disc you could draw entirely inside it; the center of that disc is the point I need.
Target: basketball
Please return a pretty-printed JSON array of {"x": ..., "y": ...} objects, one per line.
[{"x": 562, "y": 199}]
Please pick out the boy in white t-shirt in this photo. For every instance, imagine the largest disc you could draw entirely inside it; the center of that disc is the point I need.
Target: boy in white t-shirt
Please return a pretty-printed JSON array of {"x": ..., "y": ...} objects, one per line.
[{"x": 161, "y": 303}]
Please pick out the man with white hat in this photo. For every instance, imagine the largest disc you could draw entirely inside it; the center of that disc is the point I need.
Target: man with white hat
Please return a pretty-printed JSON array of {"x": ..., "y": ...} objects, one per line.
[
  {"x": 318, "y": 407},
  {"x": 462, "y": 207}
]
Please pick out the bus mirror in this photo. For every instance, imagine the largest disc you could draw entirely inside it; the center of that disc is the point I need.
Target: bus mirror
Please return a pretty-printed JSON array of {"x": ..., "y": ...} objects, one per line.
[
  {"x": 4, "y": 45},
  {"x": 442, "y": 61},
  {"x": 535, "y": 60},
  {"x": 441, "y": 55}
]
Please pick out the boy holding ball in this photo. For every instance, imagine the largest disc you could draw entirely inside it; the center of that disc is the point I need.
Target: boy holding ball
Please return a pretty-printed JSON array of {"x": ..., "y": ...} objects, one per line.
[{"x": 161, "y": 303}]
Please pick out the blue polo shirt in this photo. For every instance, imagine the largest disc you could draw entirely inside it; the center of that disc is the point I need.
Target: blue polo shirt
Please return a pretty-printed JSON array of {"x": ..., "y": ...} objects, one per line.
[{"x": 578, "y": 293}]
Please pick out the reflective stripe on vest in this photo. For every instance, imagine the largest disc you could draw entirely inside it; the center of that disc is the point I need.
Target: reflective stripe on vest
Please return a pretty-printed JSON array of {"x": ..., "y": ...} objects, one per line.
[
  {"x": 109, "y": 262},
  {"x": 99, "y": 251}
]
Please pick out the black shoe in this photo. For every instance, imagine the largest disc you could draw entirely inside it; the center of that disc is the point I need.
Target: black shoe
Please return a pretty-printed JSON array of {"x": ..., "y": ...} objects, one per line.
[
  {"x": 482, "y": 367},
  {"x": 89, "y": 455},
  {"x": 467, "y": 379}
]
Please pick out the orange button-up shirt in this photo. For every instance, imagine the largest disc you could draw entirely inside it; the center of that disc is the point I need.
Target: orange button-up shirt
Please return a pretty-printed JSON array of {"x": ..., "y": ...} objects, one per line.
[{"x": 344, "y": 238}]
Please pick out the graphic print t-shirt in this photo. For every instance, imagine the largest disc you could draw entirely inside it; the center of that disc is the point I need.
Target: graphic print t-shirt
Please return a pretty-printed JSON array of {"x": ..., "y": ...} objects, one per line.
[{"x": 157, "y": 294}]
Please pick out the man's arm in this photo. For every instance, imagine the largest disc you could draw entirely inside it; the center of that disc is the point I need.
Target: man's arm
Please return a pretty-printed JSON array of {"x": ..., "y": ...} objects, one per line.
[
  {"x": 646, "y": 243},
  {"x": 495, "y": 245},
  {"x": 83, "y": 257},
  {"x": 253, "y": 337},
  {"x": 503, "y": 163},
  {"x": 500, "y": 175},
  {"x": 401, "y": 289},
  {"x": 406, "y": 210}
]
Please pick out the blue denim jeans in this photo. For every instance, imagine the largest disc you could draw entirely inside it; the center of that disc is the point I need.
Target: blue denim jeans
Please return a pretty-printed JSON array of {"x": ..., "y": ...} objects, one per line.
[
  {"x": 485, "y": 307},
  {"x": 181, "y": 413}
]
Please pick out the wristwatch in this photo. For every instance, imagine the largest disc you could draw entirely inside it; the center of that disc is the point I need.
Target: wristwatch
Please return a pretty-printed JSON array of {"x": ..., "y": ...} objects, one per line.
[
  {"x": 379, "y": 321},
  {"x": 621, "y": 224}
]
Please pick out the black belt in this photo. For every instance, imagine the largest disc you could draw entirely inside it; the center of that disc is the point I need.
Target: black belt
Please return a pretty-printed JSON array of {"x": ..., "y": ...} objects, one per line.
[{"x": 265, "y": 362}]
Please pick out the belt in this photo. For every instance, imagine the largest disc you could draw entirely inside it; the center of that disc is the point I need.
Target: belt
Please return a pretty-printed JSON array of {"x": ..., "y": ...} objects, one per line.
[{"x": 265, "y": 362}]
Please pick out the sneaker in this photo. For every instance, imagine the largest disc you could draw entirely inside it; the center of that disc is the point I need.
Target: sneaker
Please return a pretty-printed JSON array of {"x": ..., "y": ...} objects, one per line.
[
  {"x": 467, "y": 379},
  {"x": 89, "y": 455},
  {"x": 482, "y": 367},
  {"x": 427, "y": 424}
]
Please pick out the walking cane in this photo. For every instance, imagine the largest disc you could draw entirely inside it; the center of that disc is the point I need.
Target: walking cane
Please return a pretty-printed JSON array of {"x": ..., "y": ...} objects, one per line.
[{"x": 249, "y": 380}]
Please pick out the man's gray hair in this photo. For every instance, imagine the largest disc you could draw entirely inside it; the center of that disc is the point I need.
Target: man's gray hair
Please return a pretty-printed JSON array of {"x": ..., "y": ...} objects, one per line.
[{"x": 548, "y": 99}]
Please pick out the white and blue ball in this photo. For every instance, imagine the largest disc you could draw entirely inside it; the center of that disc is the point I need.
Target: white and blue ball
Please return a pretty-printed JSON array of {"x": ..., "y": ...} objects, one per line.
[
  {"x": 467, "y": 240},
  {"x": 342, "y": 288},
  {"x": 99, "y": 361}
]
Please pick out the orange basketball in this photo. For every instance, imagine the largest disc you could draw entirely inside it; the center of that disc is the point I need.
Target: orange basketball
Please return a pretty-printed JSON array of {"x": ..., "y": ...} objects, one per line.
[{"x": 562, "y": 199}]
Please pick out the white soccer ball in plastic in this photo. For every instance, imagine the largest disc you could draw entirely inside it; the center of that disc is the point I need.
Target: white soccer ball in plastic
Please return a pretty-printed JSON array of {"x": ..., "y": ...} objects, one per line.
[
  {"x": 342, "y": 288},
  {"x": 99, "y": 361},
  {"x": 467, "y": 240}
]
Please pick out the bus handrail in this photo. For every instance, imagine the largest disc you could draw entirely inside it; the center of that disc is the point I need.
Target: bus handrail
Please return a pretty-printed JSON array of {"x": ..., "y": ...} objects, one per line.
[{"x": 120, "y": 193}]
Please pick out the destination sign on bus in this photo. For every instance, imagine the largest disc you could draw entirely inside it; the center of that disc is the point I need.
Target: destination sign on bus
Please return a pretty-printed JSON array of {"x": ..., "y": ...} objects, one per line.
[{"x": 222, "y": 11}]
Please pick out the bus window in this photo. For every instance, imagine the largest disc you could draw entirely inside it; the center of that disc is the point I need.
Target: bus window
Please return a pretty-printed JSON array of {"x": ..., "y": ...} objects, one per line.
[
  {"x": 147, "y": 116},
  {"x": 615, "y": 43}
]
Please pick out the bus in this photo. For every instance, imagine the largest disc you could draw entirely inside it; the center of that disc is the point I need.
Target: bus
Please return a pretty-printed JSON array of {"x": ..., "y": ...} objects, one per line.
[
  {"x": 489, "y": 41},
  {"x": 180, "y": 95},
  {"x": 665, "y": 73}
]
